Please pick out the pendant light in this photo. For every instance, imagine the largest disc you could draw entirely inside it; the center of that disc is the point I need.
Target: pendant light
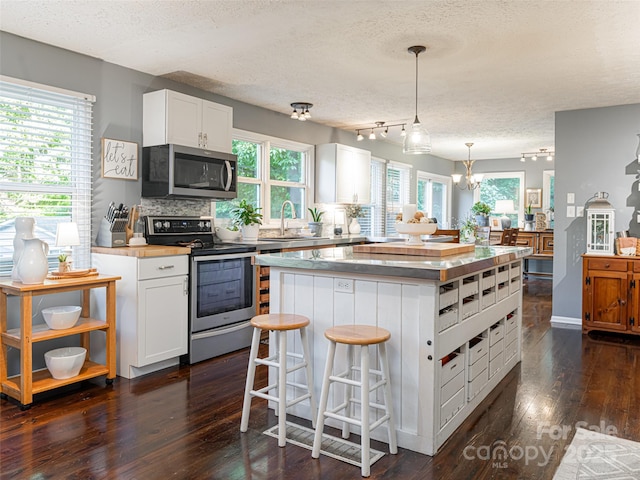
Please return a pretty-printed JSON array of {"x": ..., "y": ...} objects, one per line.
[{"x": 417, "y": 141}]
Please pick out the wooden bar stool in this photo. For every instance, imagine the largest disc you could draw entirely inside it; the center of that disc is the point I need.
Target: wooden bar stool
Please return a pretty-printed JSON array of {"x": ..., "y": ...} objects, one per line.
[
  {"x": 280, "y": 323},
  {"x": 364, "y": 336}
]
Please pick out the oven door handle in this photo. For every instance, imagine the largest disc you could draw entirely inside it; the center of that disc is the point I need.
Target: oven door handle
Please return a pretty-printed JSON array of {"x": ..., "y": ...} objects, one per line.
[
  {"x": 229, "y": 256},
  {"x": 229, "y": 175},
  {"x": 214, "y": 332}
]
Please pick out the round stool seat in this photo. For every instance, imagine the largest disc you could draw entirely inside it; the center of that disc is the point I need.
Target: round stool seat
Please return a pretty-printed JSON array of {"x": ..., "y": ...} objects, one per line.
[
  {"x": 279, "y": 321},
  {"x": 357, "y": 334}
]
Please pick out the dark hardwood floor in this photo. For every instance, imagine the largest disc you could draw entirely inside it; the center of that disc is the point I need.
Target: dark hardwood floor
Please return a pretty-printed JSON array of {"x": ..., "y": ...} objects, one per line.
[{"x": 183, "y": 422}]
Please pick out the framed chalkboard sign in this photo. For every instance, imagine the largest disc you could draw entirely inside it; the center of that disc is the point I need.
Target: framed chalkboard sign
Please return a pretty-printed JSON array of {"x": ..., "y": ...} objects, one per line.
[{"x": 119, "y": 159}]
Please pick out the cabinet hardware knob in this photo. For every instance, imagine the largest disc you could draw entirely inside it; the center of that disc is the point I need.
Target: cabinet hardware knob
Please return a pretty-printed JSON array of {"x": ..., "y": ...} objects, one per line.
[
  {"x": 429, "y": 342},
  {"x": 430, "y": 357}
]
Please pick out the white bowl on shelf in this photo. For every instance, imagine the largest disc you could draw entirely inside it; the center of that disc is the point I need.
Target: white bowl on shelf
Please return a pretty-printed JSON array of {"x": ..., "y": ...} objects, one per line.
[
  {"x": 414, "y": 230},
  {"x": 65, "y": 362},
  {"x": 59, "y": 318}
]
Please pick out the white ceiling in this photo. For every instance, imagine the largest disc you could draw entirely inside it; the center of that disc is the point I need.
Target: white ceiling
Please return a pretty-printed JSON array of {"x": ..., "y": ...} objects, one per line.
[{"x": 494, "y": 72}]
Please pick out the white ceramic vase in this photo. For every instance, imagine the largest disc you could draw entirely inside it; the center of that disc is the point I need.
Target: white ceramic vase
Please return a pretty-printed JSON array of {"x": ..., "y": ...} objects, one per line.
[
  {"x": 24, "y": 229},
  {"x": 250, "y": 232},
  {"x": 33, "y": 265},
  {"x": 354, "y": 226}
]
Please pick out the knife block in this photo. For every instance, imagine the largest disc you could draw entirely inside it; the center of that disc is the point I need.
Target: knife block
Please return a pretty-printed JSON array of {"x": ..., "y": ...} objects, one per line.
[{"x": 112, "y": 234}]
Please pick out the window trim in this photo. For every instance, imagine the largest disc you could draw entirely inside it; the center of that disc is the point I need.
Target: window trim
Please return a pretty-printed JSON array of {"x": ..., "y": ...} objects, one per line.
[
  {"x": 520, "y": 174},
  {"x": 267, "y": 141},
  {"x": 422, "y": 175}
]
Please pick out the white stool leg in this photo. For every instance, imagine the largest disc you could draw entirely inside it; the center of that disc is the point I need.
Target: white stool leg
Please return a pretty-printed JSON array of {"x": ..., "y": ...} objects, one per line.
[
  {"x": 251, "y": 374},
  {"x": 324, "y": 396},
  {"x": 307, "y": 359},
  {"x": 393, "y": 443},
  {"x": 364, "y": 407},
  {"x": 348, "y": 393},
  {"x": 282, "y": 389}
]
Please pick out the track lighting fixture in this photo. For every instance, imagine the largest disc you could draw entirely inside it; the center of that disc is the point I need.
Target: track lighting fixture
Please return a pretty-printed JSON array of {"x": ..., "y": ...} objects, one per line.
[
  {"x": 379, "y": 126},
  {"x": 543, "y": 152}
]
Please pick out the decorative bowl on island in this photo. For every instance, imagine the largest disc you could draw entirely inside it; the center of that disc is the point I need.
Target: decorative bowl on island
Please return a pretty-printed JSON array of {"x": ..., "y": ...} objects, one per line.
[
  {"x": 415, "y": 230},
  {"x": 59, "y": 318},
  {"x": 65, "y": 362}
]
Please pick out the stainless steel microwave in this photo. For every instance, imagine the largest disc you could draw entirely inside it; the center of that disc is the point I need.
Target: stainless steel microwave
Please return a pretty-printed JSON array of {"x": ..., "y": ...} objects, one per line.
[{"x": 179, "y": 171}]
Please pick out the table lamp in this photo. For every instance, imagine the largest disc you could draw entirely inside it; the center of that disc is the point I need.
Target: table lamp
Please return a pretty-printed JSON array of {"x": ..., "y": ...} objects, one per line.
[
  {"x": 67, "y": 236},
  {"x": 504, "y": 207}
]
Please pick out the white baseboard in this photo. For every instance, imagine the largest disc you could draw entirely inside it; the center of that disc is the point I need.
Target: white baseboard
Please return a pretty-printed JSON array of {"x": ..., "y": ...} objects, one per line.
[{"x": 566, "y": 322}]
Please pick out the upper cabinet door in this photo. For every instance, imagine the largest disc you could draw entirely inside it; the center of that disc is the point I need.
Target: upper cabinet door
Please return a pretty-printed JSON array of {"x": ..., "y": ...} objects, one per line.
[
  {"x": 172, "y": 117},
  {"x": 343, "y": 174},
  {"x": 217, "y": 121},
  {"x": 184, "y": 120}
]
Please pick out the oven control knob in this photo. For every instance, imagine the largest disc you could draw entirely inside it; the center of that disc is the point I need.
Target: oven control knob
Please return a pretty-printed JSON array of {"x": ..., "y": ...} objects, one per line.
[
  {"x": 166, "y": 224},
  {"x": 208, "y": 225},
  {"x": 201, "y": 225},
  {"x": 157, "y": 225}
]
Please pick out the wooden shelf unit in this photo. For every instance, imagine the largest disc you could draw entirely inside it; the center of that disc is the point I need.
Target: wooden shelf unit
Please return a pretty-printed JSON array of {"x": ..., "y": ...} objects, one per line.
[{"x": 22, "y": 387}]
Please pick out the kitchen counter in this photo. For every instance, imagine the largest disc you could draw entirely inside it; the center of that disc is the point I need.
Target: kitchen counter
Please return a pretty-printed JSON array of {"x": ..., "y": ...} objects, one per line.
[
  {"x": 143, "y": 251},
  {"x": 455, "y": 324},
  {"x": 343, "y": 259}
]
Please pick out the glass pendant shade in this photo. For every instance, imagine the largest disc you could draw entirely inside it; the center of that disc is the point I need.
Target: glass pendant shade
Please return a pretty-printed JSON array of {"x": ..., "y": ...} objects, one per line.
[{"x": 417, "y": 141}]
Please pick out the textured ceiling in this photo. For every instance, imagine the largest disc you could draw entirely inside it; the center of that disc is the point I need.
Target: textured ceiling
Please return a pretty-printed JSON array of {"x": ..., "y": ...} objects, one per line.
[{"x": 494, "y": 72}]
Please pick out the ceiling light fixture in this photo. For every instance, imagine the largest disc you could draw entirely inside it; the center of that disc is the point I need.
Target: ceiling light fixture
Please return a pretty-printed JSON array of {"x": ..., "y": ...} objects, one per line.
[
  {"x": 303, "y": 113},
  {"x": 472, "y": 181},
  {"x": 418, "y": 141},
  {"x": 379, "y": 126},
  {"x": 543, "y": 152}
]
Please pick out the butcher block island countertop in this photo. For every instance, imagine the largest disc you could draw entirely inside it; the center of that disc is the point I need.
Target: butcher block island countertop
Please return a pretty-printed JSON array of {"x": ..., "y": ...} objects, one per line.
[
  {"x": 455, "y": 324},
  {"x": 143, "y": 251}
]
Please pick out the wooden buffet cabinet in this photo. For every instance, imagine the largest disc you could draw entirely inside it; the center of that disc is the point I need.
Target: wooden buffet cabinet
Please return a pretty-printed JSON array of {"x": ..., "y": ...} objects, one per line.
[
  {"x": 611, "y": 294},
  {"x": 22, "y": 387},
  {"x": 541, "y": 241}
]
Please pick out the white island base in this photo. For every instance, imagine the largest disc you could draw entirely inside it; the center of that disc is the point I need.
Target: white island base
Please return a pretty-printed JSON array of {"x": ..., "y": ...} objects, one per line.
[{"x": 451, "y": 341}]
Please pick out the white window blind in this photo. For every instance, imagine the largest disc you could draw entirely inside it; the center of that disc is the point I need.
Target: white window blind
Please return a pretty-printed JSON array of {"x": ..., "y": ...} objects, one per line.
[
  {"x": 45, "y": 165},
  {"x": 373, "y": 221},
  {"x": 398, "y": 185}
]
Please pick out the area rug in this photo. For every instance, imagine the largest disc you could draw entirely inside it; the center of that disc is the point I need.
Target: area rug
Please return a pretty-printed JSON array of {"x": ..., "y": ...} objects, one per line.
[
  {"x": 594, "y": 456},
  {"x": 334, "y": 447}
]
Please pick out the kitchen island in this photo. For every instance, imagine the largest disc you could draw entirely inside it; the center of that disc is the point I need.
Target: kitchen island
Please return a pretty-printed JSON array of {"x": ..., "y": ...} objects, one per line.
[{"x": 455, "y": 325}]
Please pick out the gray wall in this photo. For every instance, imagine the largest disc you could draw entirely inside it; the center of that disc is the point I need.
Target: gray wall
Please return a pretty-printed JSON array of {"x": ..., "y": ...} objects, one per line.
[
  {"x": 595, "y": 151},
  {"x": 118, "y": 112}
]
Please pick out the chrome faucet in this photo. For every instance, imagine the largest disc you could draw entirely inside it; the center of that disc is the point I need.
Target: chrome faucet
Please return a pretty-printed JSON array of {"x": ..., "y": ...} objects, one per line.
[{"x": 293, "y": 214}]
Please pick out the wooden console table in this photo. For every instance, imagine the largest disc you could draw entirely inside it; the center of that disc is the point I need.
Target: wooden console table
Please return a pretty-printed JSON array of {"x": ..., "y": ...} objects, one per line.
[
  {"x": 22, "y": 387},
  {"x": 541, "y": 241}
]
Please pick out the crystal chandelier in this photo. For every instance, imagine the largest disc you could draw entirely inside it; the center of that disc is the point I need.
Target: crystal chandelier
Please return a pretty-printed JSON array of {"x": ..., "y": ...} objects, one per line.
[{"x": 471, "y": 180}]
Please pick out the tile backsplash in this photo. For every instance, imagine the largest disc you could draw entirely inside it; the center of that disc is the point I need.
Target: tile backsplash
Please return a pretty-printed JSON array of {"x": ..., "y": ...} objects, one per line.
[{"x": 195, "y": 207}]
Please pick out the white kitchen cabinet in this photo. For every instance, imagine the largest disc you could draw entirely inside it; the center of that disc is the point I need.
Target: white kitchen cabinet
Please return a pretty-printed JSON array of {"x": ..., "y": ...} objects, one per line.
[
  {"x": 343, "y": 174},
  {"x": 152, "y": 317},
  {"x": 172, "y": 117}
]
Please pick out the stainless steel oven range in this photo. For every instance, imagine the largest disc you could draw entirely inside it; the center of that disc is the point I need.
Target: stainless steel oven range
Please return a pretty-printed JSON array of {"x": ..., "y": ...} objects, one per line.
[{"x": 221, "y": 285}]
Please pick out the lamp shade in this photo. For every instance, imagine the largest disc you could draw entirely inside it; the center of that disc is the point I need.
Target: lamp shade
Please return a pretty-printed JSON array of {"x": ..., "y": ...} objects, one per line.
[
  {"x": 67, "y": 234},
  {"x": 504, "y": 206}
]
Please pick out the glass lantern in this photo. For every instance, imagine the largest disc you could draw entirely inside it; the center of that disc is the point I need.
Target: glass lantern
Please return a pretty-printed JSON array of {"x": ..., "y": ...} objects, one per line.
[{"x": 600, "y": 225}]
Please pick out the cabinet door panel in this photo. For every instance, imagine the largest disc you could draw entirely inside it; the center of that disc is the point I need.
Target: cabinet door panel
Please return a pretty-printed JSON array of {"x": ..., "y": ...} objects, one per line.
[
  {"x": 216, "y": 126},
  {"x": 608, "y": 300},
  {"x": 162, "y": 319},
  {"x": 183, "y": 119}
]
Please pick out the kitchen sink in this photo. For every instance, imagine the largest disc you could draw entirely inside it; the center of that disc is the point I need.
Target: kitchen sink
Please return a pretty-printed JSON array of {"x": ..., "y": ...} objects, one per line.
[{"x": 289, "y": 238}]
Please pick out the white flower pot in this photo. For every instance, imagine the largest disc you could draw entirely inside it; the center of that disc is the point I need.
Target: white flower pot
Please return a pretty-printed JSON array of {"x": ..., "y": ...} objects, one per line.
[{"x": 250, "y": 232}]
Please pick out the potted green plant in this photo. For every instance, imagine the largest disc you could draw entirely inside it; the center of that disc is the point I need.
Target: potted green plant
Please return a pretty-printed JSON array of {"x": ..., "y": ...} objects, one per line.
[
  {"x": 528, "y": 214},
  {"x": 63, "y": 265},
  {"x": 248, "y": 218},
  {"x": 481, "y": 211},
  {"x": 315, "y": 226},
  {"x": 468, "y": 230}
]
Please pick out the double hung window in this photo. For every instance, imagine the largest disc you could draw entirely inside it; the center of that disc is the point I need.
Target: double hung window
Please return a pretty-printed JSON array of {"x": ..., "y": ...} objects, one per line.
[
  {"x": 503, "y": 186},
  {"x": 434, "y": 197},
  {"x": 45, "y": 165}
]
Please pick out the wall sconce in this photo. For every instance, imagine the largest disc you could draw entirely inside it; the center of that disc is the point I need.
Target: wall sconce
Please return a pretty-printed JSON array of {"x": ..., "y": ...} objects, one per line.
[
  {"x": 472, "y": 181},
  {"x": 379, "y": 126},
  {"x": 534, "y": 155},
  {"x": 304, "y": 114}
]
